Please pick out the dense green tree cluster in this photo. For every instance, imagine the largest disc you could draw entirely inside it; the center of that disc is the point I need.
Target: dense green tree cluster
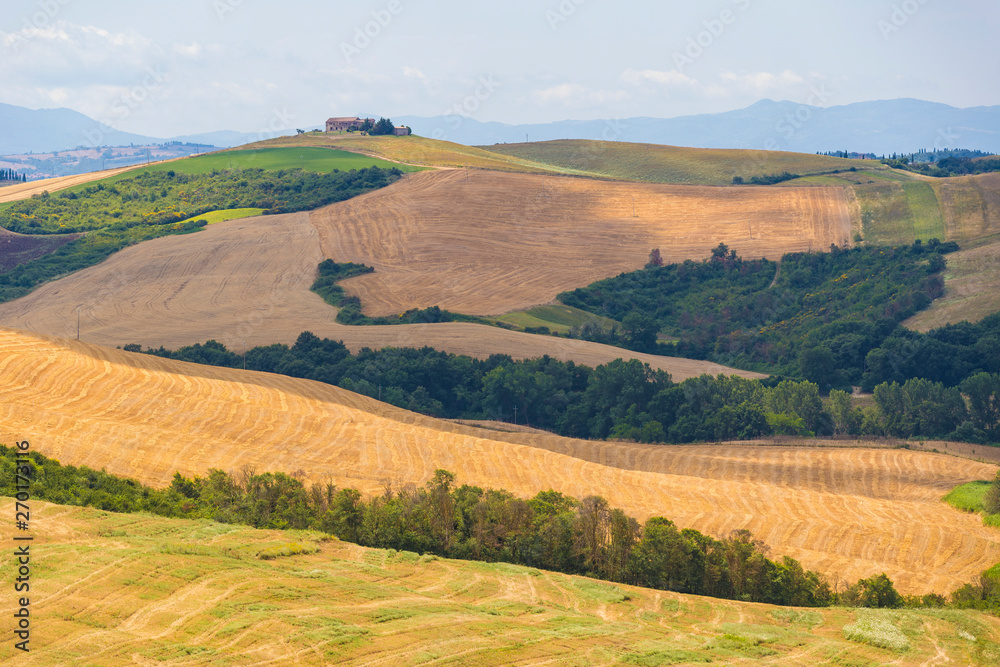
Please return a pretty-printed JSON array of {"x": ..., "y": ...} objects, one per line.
[
  {"x": 158, "y": 197},
  {"x": 817, "y": 317},
  {"x": 949, "y": 166}
]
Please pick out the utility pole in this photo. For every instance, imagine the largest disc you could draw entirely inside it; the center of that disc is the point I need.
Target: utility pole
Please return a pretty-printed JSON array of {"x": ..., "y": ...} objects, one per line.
[
  {"x": 78, "y": 322},
  {"x": 244, "y": 354},
  {"x": 515, "y": 414}
]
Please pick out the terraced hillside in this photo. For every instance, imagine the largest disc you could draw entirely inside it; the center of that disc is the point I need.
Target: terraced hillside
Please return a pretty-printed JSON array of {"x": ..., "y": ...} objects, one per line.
[
  {"x": 489, "y": 242},
  {"x": 121, "y": 589},
  {"x": 247, "y": 281},
  {"x": 846, "y": 512}
]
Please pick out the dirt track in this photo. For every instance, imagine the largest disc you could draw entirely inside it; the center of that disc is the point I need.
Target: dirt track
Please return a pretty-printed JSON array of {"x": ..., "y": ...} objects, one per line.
[
  {"x": 845, "y": 512},
  {"x": 248, "y": 281},
  {"x": 489, "y": 242}
]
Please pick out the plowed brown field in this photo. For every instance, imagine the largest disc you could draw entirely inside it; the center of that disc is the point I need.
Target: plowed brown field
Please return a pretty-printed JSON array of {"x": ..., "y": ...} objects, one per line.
[
  {"x": 489, "y": 242},
  {"x": 248, "y": 281},
  {"x": 845, "y": 512}
]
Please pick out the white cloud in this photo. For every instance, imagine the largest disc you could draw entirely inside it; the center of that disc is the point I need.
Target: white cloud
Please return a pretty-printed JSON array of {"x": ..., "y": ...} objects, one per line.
[
  {"x": 575, "y": 95},
  {"x": 192, "y": 50},
  {"x": 646, "y": 76},
  {"x": 762, "y": 83},
  {"x": 414, "y": 73}
]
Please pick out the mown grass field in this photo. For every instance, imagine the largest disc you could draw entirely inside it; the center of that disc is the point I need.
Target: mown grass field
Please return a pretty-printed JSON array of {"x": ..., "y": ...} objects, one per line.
[
  {"x": 558, "y": 318},
  {"x": 228, "y": 214},
  {"x": 655, "y": 163},
  {"x": 120, "y": 589}
]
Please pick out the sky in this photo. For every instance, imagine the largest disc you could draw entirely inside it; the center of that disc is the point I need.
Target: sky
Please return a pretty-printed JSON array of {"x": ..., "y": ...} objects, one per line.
[{"x": 166, "y": 68}]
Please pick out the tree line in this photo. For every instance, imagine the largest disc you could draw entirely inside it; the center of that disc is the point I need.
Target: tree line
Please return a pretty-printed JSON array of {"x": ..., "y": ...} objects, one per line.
[
  {"x": 624, "y": 400},
  {"x": 12, "y": 176},
  {"x": 551, "y": 531}
]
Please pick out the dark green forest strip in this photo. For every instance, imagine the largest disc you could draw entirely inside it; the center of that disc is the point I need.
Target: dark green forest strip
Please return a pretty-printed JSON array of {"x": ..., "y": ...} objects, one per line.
[{"x": 622, "y": 399}]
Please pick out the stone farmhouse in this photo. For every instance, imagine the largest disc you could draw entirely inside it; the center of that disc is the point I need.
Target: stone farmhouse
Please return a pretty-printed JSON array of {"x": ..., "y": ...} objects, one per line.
[{"x": 345, "y": 123}]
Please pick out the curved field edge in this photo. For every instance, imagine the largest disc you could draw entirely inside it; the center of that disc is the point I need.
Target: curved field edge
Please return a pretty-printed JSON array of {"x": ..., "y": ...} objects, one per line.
[
  {"x": 849, "y": 513},
  {"x": 247, "y": 281},
  {"x": 122, "y": 588}
]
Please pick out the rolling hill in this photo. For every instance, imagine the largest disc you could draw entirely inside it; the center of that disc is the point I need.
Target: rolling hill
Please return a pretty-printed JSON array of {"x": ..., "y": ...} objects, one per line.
[
  {"x": 247, "y": 281},
  {"x": 486, "y": 243},
  {"x": 846, "y": 512},
  {"x": 655, "y": 163},
  {"x": 123, "y": 589}
]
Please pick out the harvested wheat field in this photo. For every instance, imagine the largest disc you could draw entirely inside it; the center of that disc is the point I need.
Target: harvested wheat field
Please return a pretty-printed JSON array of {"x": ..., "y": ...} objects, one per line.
[
  {"x": 122, "y": 589},
  {"x": 31, "y": 188},
  {"x": 845, "y": 512},
  {"x": 488, "y": 242},
  {"x": 971, "y": 290},
  {"x": 247, "y": 281}
]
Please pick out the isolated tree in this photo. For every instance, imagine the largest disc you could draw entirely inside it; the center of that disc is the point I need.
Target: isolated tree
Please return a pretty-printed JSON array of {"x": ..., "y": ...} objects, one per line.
[{"x": 655, "y": 259}]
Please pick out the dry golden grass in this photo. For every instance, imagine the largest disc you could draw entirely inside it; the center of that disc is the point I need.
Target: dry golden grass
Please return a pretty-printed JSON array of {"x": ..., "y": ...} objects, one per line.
[
  {"x": 247, "y": 281},
  {"x": 415, "y": 150},
  {"x": 972, "y": 290},
  {"x": 486, "y": 242},
  {"x": 27, "y": 190},
  {"x": 120, "y": 589},
  {"x": 971, "y": 206},
  {"x": 846, "y": 512}
]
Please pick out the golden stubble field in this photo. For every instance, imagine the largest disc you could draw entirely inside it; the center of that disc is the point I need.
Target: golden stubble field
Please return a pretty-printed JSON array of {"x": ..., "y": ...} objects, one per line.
[
  {"x": 484, "y": 242},
  {"x": 123, "y": 589},
  {"x": 846, "y": 512},
  {"x": 247, "y": 282}
]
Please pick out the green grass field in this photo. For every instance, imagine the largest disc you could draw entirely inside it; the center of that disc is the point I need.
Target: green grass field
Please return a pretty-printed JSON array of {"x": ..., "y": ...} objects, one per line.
[
  {"x": 228, "y": 214},
  {"x": 558, "y": 318},
  {"x": 925, "y": 211},
  {"x": 122, "y": 589},
  {"x": 968, "y": 497}
]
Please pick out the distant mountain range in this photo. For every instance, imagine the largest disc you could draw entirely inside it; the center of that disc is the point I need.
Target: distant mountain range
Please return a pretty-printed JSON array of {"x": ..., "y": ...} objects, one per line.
[
  {"x": 900, "y": 126},
  {"x": 44, "y": 130}
]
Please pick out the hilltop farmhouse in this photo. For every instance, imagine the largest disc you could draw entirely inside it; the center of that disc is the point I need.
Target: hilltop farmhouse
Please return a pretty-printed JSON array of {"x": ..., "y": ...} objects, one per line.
[{"x": 346, "y": 123}]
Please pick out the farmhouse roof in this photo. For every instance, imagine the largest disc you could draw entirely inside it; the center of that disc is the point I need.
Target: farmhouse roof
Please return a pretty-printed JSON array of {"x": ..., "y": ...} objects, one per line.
[{"x": 342, "y": 119}]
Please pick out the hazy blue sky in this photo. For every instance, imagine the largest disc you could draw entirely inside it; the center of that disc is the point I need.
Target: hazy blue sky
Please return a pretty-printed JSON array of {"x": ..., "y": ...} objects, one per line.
[{"x": 172, "y": 67}]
